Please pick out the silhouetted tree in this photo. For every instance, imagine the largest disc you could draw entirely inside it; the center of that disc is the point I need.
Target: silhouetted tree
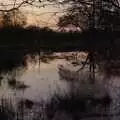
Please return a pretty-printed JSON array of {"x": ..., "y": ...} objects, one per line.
[
  {"x": 94, "y": 18},
  {"x": 91, "y": 14},
  {"x": 13, "y": 18}
]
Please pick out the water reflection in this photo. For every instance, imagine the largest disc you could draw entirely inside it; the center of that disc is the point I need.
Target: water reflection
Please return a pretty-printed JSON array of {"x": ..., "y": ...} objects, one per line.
[
  {"x": 38, "y": 81},
  {"x": 39, "y": 93}
]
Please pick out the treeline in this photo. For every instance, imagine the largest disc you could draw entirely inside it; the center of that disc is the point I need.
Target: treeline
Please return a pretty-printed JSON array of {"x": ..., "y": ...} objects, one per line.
[
  {"x": 16, "y": 42},
  {"x": 36, "y": 38}
]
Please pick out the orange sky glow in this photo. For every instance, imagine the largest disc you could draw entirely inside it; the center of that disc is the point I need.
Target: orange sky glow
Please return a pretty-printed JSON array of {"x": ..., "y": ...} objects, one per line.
[{"x": 43, "y": 16}]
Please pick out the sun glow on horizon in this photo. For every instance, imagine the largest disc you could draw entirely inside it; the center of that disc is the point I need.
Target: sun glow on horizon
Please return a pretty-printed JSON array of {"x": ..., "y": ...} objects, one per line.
[{"x": 43, "y": 16}]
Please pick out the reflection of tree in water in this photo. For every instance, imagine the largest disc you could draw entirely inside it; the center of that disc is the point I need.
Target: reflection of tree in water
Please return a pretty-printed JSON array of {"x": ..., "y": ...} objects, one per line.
[{"x": 92, "y": 18}]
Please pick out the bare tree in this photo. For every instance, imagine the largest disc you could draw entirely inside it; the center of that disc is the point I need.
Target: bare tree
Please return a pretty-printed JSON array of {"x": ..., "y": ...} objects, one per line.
[
  {"x": 13, "y": 18},
  {"x": 91, "y": 15},
  {"x": 87, "y": 14},
  {"x": 11, "y": 12}
]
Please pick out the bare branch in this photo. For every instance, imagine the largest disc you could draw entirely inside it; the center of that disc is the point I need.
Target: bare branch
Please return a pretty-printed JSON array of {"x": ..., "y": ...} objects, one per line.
[
  {"x": 15, "y": 5},
  {"x": 84, "y": 64},
  {"x": 115, "y": 5}
]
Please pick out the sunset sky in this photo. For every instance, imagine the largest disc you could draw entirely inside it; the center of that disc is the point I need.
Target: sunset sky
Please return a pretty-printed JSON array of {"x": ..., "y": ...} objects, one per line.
[{"x": 43, "y": 16}]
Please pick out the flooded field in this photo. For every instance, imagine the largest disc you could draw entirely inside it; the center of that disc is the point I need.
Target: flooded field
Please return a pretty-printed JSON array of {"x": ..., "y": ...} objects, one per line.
[{"x": 40, "y": 91}]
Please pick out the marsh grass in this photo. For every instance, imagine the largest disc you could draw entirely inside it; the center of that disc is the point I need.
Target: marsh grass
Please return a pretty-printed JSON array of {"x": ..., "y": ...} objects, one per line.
[
  {"x": 75, "y": 104},
  {"x": 7, "y": 111},
  {"x": 82, "y": 99},
  {"x": 17, "y": 85}
]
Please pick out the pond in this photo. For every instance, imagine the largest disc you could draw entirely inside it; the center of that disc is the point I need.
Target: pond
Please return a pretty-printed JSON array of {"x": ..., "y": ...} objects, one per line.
[{"x": 41, "y": 86}]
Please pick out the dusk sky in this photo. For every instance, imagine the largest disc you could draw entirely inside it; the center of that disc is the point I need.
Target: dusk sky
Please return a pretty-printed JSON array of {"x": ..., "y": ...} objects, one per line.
[{"x": 43, "y": 16}]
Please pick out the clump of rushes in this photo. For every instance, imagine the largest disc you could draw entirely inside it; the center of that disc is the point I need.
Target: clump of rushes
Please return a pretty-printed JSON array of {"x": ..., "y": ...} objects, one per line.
[
  {"x": 7, "y": 111},
  {"x": 19, "y": 85}
]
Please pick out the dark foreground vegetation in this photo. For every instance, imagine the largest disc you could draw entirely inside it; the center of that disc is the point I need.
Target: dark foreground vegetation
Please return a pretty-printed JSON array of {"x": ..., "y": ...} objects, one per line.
[
  {"x": 59, "y": 106},
  {"x": 17, "y": 41},
  {"x": 98, "y": 21},
  {"x": 34, "y": 38}
]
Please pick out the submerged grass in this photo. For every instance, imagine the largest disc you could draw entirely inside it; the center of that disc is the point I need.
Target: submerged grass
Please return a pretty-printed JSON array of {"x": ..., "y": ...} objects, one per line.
[
  {"x": 7, "y": 111},
  {"x": 58, "y": 107},
  {"x": 72, "y": 104},
  {"x": 15, "y": 84},
  {"x": 82, "y": 98}
]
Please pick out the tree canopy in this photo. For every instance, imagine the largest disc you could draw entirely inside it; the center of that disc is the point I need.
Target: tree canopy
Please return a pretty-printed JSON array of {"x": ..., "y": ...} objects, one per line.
[{"x": 100, "y": 14}]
